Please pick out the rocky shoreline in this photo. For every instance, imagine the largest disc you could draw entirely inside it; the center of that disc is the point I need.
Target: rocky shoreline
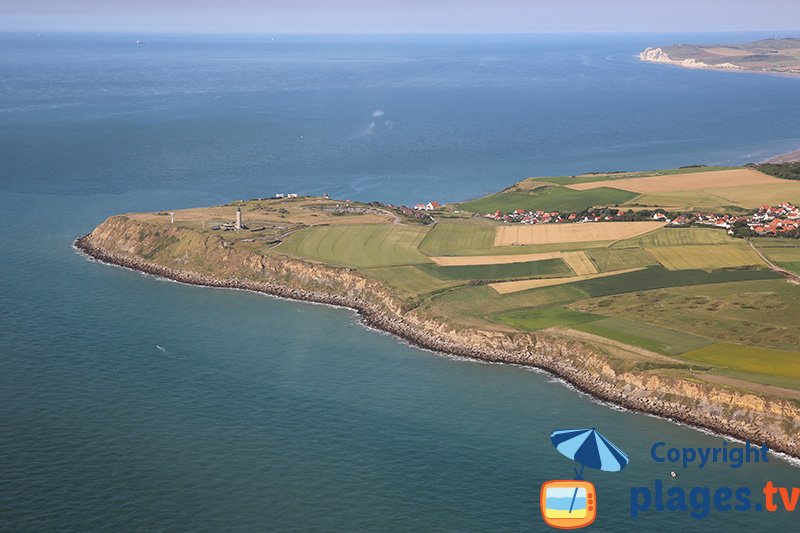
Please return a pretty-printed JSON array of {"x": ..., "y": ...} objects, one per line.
[{"x": 741, "y": 415}]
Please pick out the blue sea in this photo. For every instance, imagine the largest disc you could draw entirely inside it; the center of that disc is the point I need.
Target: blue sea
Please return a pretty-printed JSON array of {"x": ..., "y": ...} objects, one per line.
[{"x": 128, "y": 403}]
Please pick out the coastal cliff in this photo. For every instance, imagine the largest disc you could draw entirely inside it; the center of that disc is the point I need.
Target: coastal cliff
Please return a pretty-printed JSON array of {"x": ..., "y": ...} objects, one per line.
[
  {"x": 658, "y": 55},
  {"x": 191, "y": 257},
  {"x": 774, "y": 56}
]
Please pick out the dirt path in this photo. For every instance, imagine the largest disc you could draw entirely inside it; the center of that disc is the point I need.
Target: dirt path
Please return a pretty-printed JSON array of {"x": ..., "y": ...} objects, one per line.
[
  {"x": 620, "y": 349},
  {"x": 395, "y": 217}
]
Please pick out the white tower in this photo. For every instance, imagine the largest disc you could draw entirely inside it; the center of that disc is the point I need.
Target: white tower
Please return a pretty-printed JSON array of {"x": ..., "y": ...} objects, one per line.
[{"x": 238, "y": 218}]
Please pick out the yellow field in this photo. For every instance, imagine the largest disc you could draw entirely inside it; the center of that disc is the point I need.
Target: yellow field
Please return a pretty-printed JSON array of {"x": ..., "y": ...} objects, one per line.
[
  {"x": 507, "y": 287},
  {"x": 579, "y": 262},
  {"x": 705, "y": 257},
  {"x": 567, "y": 233},
  {"x": 469, "y": 260},
  {"x": 768, "y": 194},
  {"x": 696, "y": 181},
  {"x": 782, "y": 255},
  {"x": 684, "y": 200}
]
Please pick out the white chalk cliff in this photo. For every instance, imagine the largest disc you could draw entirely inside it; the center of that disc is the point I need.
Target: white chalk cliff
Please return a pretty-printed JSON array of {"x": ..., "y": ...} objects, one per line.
[{"x": 657, "y": 55}]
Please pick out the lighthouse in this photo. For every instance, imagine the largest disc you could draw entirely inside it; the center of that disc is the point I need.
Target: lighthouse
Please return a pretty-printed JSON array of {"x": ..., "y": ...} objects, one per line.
[{"x": 238, "y": 218}]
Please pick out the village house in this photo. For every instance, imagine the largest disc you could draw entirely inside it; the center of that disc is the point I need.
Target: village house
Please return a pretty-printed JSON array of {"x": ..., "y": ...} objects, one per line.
[
  {"x": 775, "y": 220},
  {"x": 767, "y": 220},
  {"x": 430, "y": 206}
]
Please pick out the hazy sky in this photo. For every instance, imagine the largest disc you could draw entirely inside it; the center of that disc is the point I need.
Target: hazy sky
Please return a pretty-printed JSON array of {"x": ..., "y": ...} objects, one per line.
[{"x": 382, "y": 16}]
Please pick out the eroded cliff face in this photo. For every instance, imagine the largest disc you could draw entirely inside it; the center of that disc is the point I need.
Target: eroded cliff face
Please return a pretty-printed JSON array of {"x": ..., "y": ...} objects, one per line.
[
  {"x": 657, "y": 55},
  {"x": 190, "y": 257}
]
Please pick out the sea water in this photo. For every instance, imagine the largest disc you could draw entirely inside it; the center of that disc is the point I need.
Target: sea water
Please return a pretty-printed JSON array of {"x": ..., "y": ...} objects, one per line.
[{"x": 131, "y": 403}]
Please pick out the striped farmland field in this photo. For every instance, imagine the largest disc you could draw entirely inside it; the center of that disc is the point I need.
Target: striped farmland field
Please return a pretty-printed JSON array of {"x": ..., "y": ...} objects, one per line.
[{"x": 706, "y": 257}]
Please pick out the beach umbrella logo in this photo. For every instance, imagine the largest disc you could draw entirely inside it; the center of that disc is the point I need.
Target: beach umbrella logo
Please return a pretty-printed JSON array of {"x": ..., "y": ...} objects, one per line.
[{"x": 572, "y": 504}]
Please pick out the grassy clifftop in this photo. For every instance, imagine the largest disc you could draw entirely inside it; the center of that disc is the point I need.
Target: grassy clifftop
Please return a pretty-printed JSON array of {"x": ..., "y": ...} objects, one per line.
[
  {"x": 637, "y": 290},
  {"x": 564, "y": 329},
  {"x": 766, "y": 55}
]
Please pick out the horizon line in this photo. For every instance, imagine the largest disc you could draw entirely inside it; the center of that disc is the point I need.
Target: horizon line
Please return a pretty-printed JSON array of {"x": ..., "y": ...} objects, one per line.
[{"x": 398, "y": 33}]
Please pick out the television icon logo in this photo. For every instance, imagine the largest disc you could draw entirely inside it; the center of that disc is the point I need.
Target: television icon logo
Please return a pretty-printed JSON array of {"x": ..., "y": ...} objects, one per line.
[{"x": 568, "y": 504}]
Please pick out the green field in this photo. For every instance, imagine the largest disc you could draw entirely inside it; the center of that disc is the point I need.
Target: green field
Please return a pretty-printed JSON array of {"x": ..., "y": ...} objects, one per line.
[
  {"x": 447, "y": 238},
  {"x": 548, "y": 199},
  {"x": 608, "y": 260},
  {"x": 534, "y": 319},
  {"x": 658, "y": 277},
  {"x": 678, "y": 237},
  {"x": 537, "y": 248},
  {"x": 781, "y": 254},
  {"x": 784, "y": 252},
  {"x": 649, "y": 337},
  {"x": 635, "y": 308},
  {"x": 589, "y": 178},
  {"x": 748, "y": 359},
  {"x": 761, "y": 313},
  {"x": 480, "y": 302},
  {"x": 409, "y": 279},
  {"x": 361, "y": 246},
  {"x": 547, "y": 268},
  {"x": 792, "y": 267},
  {"x": 768, "y": 242}
]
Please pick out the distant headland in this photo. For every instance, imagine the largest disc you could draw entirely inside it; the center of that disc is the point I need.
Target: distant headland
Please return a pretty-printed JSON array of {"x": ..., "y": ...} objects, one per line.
[
  {"x": 776, "y": 56},
  {"x": 672, "y": 292}
]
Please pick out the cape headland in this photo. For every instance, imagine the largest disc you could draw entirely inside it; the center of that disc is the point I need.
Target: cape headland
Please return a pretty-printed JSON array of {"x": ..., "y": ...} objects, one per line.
[
  {"x": 661, "y": 291},
  {"x": 777, "y": 56}
]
